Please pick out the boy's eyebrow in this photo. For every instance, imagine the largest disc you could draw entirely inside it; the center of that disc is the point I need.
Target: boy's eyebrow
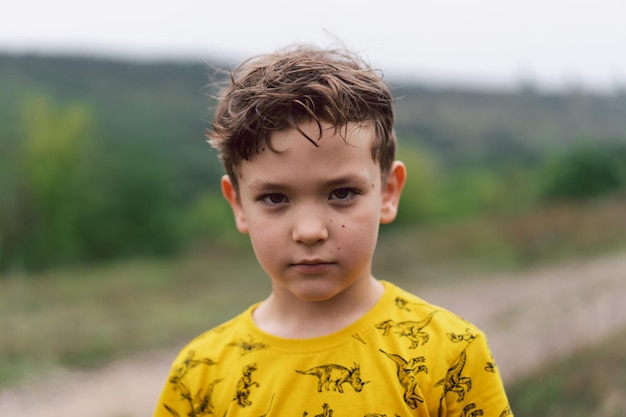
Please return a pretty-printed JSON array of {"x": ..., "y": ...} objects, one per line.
[
  {"x": 261, "y": 185},
  {"x": 347, "y": 179}
]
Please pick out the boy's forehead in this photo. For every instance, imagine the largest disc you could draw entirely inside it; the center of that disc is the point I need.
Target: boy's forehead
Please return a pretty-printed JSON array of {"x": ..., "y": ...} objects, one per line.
[
  {"x": 344, "y": 152},
  {"x": 356, "y": 135}
]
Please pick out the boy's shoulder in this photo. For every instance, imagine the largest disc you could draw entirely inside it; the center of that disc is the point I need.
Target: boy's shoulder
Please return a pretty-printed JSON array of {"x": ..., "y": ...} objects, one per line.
[
  {"x": 404, "y": 305},
  {"x": 228, "y": 333}
]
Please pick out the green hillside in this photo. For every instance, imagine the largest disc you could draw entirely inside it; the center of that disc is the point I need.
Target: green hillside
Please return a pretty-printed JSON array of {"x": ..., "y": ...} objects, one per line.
[
  {"x": 102, "y": 159},
  {"x": 162, "y": 105},
  {"x": 167, "y": 103},
  {"x": 481, "y": 126}
]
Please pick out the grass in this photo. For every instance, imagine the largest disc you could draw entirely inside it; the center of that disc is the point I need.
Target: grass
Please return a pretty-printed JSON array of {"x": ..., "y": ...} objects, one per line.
[
  {"x": 554, "y": 233},
  {"x": 86, "y": 316},
  {"x": 590, "y": 383}
]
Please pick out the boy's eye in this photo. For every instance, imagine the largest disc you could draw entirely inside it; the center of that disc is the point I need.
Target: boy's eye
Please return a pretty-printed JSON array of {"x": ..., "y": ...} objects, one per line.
[
  {"x": 273, "y": 199},
  {"x": 343, "y": 194}
]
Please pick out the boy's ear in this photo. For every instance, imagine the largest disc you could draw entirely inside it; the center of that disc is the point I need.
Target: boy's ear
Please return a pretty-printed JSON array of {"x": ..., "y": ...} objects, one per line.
[
  {"x": 230, "y": 194},
  {"x": 392, "y": 191}
]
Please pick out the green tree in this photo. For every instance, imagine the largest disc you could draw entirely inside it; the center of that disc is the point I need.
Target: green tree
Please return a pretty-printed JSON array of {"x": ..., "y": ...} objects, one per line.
[
  {"x": 130, "y": 204},
  {"x": 51, "y": 164},
  {"x": 69, "y": 198},
  {"x": 209, "y": 221},
  {"x": 9, "y": 202},
  {"x": 586, "y": 171},
  {"x": 420, "y": 193}
]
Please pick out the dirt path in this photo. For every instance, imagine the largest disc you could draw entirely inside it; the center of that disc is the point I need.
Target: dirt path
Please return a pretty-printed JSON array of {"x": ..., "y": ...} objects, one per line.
[
  {"x": 538, "y": 316},
  {"x": 530, "y": 318}
]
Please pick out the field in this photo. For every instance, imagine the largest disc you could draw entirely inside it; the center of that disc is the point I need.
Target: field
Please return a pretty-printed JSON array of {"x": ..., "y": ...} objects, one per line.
[
  {"x": 84, "y": 317},
  {"x": 590, "y": 382},
  {"x": 116, "y": 247},
  {"x": 75, "y": 338}
]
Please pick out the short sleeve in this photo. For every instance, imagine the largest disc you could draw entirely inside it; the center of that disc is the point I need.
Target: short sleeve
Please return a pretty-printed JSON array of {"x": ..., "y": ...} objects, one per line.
[
  {"x": 185, "y": 393},
  {"x": 473, "y": 385}
]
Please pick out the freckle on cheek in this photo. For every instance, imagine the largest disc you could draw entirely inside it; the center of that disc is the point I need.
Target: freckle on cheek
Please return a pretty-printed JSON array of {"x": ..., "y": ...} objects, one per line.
[{"x": 343, "y": 225}]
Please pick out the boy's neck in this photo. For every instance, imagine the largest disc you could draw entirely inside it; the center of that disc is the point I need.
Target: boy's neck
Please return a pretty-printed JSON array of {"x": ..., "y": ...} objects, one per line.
[{"x": 293, "y": 318}]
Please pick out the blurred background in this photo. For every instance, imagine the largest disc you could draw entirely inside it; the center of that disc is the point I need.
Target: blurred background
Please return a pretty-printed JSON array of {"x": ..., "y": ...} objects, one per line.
[{"x": 116, "y": 246}]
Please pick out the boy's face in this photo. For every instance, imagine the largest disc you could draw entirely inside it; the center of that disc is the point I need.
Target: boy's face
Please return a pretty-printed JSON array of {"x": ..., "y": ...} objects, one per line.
[{"x": 313, "y": 213}]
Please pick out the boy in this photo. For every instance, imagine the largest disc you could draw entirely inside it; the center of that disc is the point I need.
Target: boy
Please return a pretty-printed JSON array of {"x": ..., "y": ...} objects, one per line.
[{"x": 307, "y": 140}]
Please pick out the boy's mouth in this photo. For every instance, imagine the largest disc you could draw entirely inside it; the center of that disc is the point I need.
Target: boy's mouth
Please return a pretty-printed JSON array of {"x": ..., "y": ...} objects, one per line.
[
  {"x": 312, "y": 266},
  {"x": 314, "y": 261}
]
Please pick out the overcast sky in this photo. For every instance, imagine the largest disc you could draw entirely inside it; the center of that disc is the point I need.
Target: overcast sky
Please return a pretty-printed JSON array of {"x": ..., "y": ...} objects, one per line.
[{"x": 555, "y": 43}]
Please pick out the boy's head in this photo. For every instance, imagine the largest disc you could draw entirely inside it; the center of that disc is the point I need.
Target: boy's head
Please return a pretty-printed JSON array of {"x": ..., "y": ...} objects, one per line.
[{"x": 273, "y": 92}]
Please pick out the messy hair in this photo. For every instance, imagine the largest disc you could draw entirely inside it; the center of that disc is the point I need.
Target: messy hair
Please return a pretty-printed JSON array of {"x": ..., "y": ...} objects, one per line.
[{"x": 272, "y": 92}]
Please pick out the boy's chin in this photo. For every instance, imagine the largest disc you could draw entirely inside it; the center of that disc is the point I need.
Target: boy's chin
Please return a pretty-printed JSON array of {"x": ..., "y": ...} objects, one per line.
[
  {"x": 312, "y": 291},
  {"x": 319, "y": 290},
  {"x": 316, "y": 295}
]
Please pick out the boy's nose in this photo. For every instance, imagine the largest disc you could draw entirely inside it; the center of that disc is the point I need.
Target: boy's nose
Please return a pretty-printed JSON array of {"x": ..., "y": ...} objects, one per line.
[{"x": 309, "y": 229}]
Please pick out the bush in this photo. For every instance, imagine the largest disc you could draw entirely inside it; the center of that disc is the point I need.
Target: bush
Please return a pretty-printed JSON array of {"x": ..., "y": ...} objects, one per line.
[
  {"x": 70, "y": 199},
  {"x": 586, "y": 171}
]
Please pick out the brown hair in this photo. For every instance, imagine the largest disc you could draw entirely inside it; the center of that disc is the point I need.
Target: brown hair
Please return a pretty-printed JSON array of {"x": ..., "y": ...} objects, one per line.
[{"x": 272, "y": 92}]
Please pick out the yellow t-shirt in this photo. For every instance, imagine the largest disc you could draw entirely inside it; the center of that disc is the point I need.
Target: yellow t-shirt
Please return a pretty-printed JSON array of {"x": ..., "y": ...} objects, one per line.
[{"x": 405, "y": 357}]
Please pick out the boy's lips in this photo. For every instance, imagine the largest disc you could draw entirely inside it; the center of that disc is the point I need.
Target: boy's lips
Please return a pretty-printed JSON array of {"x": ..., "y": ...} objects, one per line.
[
  {"x": 312, "y": 261},
  {"x": 312, "y": 266}
]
